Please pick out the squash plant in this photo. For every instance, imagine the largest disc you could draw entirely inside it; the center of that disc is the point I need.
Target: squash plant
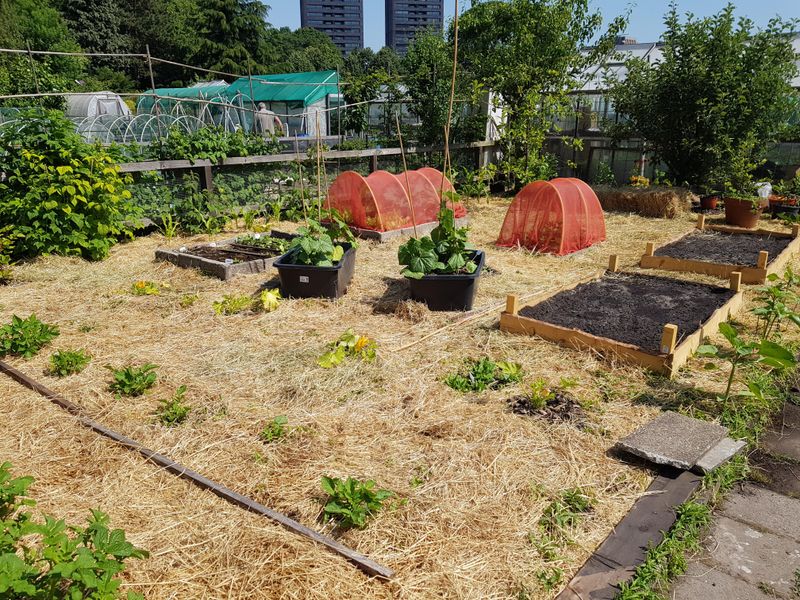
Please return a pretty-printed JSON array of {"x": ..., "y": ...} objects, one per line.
[
  {"x": 320, "y": 245},
  {"x": 60, "y": 194},
  {"x": 445, "y": 251}
]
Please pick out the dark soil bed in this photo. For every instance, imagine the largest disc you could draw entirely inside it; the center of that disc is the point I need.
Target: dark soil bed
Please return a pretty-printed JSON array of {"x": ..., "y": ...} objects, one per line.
[
  {"x": 563, "y": 408},
  {"x": 632, "y": 308},
  {"x": 724, "y": 248},
  {"x": 238, "y": 254}
]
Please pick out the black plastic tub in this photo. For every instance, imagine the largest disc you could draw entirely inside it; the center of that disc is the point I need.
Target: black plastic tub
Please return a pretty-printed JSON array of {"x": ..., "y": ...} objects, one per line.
[
  {"x": 307, "y": 281},
  {"x": 785, "y": 209},
  {"x": 448, "y": 292}
]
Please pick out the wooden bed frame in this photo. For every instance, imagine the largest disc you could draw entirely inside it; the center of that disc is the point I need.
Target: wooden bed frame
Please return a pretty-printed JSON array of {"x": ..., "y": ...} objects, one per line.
[
  {"x": 750, "y": 275},
  {"x": 672, "y": 356}
]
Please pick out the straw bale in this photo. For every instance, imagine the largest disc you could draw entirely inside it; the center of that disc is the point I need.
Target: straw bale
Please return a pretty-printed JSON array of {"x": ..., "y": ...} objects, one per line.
[
  {"x": 485, "y": 475},
  {"x": 661, "y": 202}
]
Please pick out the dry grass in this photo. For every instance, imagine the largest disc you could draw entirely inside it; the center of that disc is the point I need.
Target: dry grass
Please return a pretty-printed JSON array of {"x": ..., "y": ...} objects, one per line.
[
  {"x": 666, "y": 202},
  {"x": 463, "y": 533}
]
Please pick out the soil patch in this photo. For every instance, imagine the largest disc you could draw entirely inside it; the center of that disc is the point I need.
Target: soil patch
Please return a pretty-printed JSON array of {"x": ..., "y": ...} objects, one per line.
[
  {"x": 238, "y": 253},
  {"x": 725, "y": 248},
  {"x": 563, "y": 408},
  {"x": 777, "y": 473},
  {"x": 632, "y": 309}
]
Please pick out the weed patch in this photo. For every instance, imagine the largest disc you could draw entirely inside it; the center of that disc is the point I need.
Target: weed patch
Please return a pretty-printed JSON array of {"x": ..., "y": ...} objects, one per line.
[{"x": 483, "y": 374}]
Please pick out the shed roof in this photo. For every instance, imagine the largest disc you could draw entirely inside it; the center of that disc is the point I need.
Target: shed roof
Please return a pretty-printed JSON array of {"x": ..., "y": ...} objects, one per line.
[{"x": 287, "y": 87}]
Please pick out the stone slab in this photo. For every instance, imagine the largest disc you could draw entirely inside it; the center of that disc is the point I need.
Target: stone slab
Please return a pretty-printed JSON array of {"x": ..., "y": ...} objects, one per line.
[
  {"x": 783, "y": 438},
  {"x": 673, "y": 439},
  {"x": 765, "y": 510},
  {"x": 754, "y": 556},
  {"x": 719, "y": 454},
  {"x": 704, "y": 582}
]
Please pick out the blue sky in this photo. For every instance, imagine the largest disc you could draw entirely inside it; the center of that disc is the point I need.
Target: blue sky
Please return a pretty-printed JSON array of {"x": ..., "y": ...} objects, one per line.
[{"x": 645, "y": 25}]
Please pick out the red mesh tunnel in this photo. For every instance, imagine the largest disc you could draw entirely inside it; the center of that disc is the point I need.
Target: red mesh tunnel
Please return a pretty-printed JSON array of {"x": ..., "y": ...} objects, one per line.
[
  {"x": 558, "y": 217},
  {"x": 380, "y": 201}
]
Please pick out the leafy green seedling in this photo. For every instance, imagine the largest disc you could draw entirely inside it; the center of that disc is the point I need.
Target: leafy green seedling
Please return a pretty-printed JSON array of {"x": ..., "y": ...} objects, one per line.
[
  {"x": 188, "y": 300},
  {"x": 25, "y": 337},
  {"x": 232, "y": 304},
  {"x": 351, "y": 502},
  {"x": 269, "y": 300},
  {"x": 275, "y": 430},
  {"x": 484, "y": 374},
  {"x": 174, "y": 411},
  {"x": 349, "y": 344},
  {"x": 550, "y": 578},
  {"x": 315, "y": 246},
  {"x": 763, "y": 352},
  {"x": 145, "y": 288},
  {"x": 777, "y": 303},
  {"x": 133, "y": 381},
  {"x": 68, "y": 362},
  {"x": 65, "y": 561}
]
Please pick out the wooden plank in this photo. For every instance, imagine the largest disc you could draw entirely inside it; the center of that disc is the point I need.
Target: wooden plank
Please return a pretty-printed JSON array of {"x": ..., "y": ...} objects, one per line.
[
  {"x": 288, "y": 157},
  {"x": 581, "y": 340},
  {"x": 750, "y": 275},
  {"x": 665, "y": 363},
  {"x": 688, "y": 345},
  {"x": 669, "y": 338},
  {"x": 613, "y": 263},
  {"x": 512, "y": 304},
  {"x": 625, "y": 548},
  {"x": 763, "y": 259},
  {"x": 742, "y": 230},
  {"x": 362, "y": 562}
]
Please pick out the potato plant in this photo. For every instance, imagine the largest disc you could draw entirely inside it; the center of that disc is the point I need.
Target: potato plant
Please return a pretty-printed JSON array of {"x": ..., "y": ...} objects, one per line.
[
  {"x": 351, "y": 502},
  {"x": 68, "y": 362},
  {"x": 133, "y": 381},
  {"x": 25, "y": 337}
]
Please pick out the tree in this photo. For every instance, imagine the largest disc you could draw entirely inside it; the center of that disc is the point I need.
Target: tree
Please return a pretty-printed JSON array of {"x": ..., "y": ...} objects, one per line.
[
  {"x": 98, "y": 26},
  {"x": 304, "y": 49},
  {"x": 532, "y": 54},
  {"x": 231, "y": 33},
  {"x": 719, "y": 93}
]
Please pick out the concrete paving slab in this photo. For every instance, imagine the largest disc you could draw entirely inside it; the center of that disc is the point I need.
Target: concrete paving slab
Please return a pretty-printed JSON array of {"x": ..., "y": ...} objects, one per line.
[
  {"x": 702, "y": 581},
  {"x": 765, "y": 511},
  {"x": 719, "y": 454},
  {"x": 783, "y": 438},
  {"x": 673, "y": 439},
  {"x": 756, "y": 557}
]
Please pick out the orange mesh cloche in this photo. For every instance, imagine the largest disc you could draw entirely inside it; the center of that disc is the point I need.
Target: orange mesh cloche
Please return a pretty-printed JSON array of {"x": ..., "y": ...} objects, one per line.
[
  {"x": 436, "y": 177},
  {"x": 558, "y": 217},
  {"x": 380, "y": 201}
]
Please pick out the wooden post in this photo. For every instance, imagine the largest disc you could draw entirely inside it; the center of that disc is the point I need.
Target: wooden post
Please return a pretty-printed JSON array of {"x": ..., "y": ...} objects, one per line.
[
  {"x": 613, "y": 263},
  {"x": 650, "y": 249},
  {"x": 795, "y": 231},
  {"x": 156, "y": 106},
  {"x": 512, "y": 304},
  {"x": 701, "y": 222},
  {"x": 206, "y": 178},
  {"x": 736, "y": 281},
  {"x": 763, "y": 257},
  {"x": 33, "y": 68},
  {"x": 373, "y": 163},
  {"x": 669, "y": 339}
]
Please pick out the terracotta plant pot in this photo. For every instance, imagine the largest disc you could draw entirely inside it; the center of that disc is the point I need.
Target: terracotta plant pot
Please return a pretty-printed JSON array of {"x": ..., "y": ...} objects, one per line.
[
  {"x": 709, "y": 202},
  {"x": 743, "y": 213}
]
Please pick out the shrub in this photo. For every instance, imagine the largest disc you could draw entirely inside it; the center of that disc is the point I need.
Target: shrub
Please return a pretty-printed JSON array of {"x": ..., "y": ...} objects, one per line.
[
  {"x": 68, "y": 362},
  {"x": 62, "y": 195},
  {"x": 484, "y": 374},
  {"x": 351, "y": 502},
  {"x": 53, "y": 560},
  {"x": 133, "y": 381},
  {"x": 175, "y": 410},
  {"x": 25, "y": 337}
]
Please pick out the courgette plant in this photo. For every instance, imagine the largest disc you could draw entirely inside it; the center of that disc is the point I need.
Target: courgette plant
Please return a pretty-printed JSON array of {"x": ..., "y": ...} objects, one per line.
[
  {"x": 319, "y": 244},
  {"x": 444, "y": 251}
]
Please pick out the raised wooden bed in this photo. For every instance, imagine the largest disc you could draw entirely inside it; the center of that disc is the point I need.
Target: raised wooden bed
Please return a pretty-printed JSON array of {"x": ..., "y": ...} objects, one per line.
[
  {"x": 675, "y": 346},
  {"x": 250, "y": 261},
  {"x": 385, "y": 236},
  {"x": 751, "y": 273}
]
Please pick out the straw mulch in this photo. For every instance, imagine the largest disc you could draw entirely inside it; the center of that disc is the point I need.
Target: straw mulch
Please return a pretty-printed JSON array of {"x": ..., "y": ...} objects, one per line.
[
  {"x": 662, "y": 202},
  {"x": 474, "y": 478}
]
